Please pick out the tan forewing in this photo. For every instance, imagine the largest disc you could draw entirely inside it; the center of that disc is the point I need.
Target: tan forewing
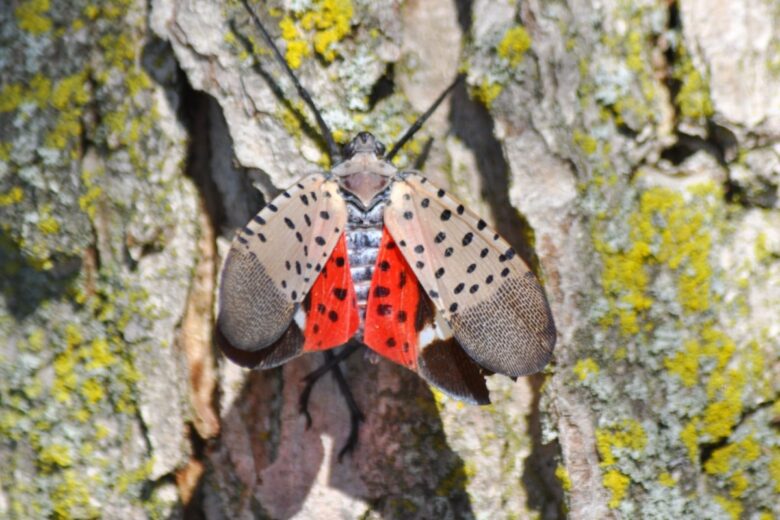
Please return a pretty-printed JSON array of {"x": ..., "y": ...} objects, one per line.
[
  {"x": 275, "y": 259},
  {"x": 496, "y": 308}
]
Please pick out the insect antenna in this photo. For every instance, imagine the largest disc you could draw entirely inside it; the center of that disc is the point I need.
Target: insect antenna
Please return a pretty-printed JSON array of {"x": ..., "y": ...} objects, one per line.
[
  {"x": 420, "y": 120},
  {"x": 333, "y": 149}
]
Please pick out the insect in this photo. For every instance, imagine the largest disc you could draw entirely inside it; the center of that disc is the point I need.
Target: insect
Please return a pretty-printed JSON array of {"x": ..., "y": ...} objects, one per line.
[{"x": 367, "y": 255}]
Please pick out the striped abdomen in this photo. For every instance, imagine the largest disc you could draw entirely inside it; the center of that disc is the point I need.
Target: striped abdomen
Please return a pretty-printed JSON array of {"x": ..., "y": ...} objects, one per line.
[{"x": 364, "y": 235}]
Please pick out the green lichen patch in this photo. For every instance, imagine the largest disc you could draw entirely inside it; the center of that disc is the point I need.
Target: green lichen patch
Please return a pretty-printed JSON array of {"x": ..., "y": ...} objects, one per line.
[
  {"x": 693, "y": 96},
  {"x": 501, "y": 58},
  {"x": 663, "y": 327},
  {"x": 315, "y": 27},
  {"x": 82, "y": 160}
]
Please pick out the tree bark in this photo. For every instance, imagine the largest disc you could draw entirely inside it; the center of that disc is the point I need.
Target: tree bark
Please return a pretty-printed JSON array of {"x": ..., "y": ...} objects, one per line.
[{"x": 630, "y": 151}]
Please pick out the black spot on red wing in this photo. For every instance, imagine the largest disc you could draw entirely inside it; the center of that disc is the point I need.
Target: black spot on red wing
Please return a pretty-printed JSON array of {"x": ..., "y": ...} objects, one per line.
[
  {"x": 440, "y": 236},
  {"x": 425, "y": 202},
  {"x": 471, "y": 268},
  {"x": 384, "y": 265},
  {"x": 333, "y": 316},
  {"x": 446, "y": 214},
  {"x": 390, "y": 342},
  {"x": 339, "y": 261},
  {"x": 406, "y": 349},
  {"x": 315, "y": 328},
  {"x": 384, "y": 309},
  {"x": 401, "y": 316},
  {"x": 459, "y": 287},
  {"x": 448, "y": 252},
  {"x": 381, "y": 291},
  {"x": 260, "y": 220},
  {"x": 474, "y": 288},
  {"x": 467, "y": 238},
  {"x": 402, "y": 279},
  {"x": 340, "y": 293},
  {"x": 390, "y": 245},
  {"x": 320, "y": 241},
  {"x": 505, "y": 272},
  {"x": 325, "y": 271},
  {"x": 321, "y": 308},
  {"x": 453, "y": 307},
  {"x": 290, "y": 223},
  {"x": 324, "y": 214}
]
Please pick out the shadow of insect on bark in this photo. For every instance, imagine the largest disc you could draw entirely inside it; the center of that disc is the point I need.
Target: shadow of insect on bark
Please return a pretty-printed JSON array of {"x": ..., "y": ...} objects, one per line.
[{"x": 262, "y": 437}]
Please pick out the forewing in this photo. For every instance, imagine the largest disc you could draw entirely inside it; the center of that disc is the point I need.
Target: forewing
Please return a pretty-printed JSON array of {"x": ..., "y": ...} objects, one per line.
[
  {"x": 332, "y": 315},
  {"x": 275, "y": 259},
  {"x": 403, "y": 325},
  {"x": 496, "y": 308}
]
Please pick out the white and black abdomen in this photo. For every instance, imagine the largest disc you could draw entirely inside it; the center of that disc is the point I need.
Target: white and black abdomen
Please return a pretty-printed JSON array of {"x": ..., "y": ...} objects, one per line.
[{"x": 364, "y": 235}]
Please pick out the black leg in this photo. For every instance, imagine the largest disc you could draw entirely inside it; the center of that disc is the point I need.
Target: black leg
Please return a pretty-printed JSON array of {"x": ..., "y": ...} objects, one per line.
[
  {"x": 355, "y": 415},
  {"x": 331, "y": 362}
]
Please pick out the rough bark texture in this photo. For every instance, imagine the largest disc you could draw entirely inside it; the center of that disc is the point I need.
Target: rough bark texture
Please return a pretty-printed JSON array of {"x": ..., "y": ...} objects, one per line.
[{"x": 630, "y": 150}]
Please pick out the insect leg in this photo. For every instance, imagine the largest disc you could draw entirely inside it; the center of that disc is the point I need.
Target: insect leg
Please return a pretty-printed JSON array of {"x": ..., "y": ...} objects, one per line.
[
  {"x": 331, "y": 363},
  {"x": 355, "y": 415}
]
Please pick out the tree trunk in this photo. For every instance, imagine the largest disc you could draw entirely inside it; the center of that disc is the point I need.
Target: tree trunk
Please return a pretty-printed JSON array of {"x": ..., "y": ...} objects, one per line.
[{"x": 629, "y": 150}]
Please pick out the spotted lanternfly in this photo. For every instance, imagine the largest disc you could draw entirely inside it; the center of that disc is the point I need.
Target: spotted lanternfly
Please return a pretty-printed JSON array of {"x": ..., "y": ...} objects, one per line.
[{"x": 365, "y": 254}]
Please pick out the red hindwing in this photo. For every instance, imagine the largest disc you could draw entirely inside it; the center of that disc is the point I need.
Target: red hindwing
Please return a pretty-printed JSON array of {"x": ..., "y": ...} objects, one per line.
[
  {"x": 392, "y": 306},
  {"x": 333, "y": 316}
]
